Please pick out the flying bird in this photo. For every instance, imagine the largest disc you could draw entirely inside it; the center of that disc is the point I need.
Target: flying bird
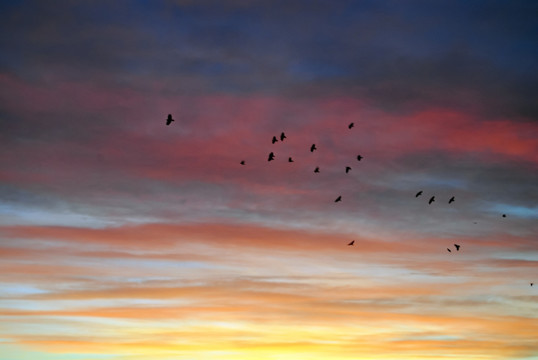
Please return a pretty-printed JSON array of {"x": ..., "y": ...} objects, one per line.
[
  {"x": 432, "y": 199},
  {"x": 504, "y": 215},
  {"x": 350, "y": 125},
  {"x": 449, "y": 250},
  {"x": 353, "y": 242},
  {"x": 347, "y": 169},
  {"x": 532, "y": 284},
  {"x": 242, "y": 162},
  {"x": 451, "y": 200},
  {"x": 313, "y": 147},
  {"x": 282, "y": 137},
  {"x": 419, "y": 193},
  {"x": 290, "y": 159},
  {"x": 274, "y": 139},
  {"x": 457, "y": 247},
  {"x": 169, "y": 119},
  {"x": 339, "y": 198},
  {"x": 271, "y": 156},
  {"x": 317, "y": 169},
  {"x": 359, "y": 157}
]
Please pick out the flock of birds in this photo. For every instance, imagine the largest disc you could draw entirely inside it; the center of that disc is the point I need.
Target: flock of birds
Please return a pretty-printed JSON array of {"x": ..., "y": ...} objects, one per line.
[{"x": 313, "y": 148}]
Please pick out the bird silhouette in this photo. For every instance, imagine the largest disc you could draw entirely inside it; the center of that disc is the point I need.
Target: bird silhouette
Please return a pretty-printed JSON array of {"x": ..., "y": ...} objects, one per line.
[
  {"x": 449, "y": 250},
  {"x": 350, "y": 125},
  {"x": 504, "y": 215},
  {"x": 274, "y": 139},
  {"x": 282, "y": 137},
  {"x": 451, "y": 200},
  {"x": 271, "y": 156},
  {"x": 169, "y": 119},
  {"x": 419, "y": 193},
  {"x": 313, "y": 147},
  {"x": 290, "y": 159},
  {"x": 347, "y": 169},
  {"x": 242, "y": 162},
  {"x": 432, "y": 199},
  {"x": 457, "y": 247},
  {"x": 339, "y": 198},
  {"x": 353, "y": 242},
  {"x": 317, "y": 169},
  {"x": 359, "y": 157},
  {"x": 532, "y": 284}
]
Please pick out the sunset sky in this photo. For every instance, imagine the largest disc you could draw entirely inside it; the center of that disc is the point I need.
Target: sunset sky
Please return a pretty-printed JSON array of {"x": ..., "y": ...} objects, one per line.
[{"x": 122, "y": 238}]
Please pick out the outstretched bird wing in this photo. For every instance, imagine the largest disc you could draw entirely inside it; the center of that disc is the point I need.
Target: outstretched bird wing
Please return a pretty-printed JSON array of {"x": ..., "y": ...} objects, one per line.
[
  {"x": 419, "y": 193},
  {"x": 432, "y": 199},
  {"x": 351, "y": 243}
]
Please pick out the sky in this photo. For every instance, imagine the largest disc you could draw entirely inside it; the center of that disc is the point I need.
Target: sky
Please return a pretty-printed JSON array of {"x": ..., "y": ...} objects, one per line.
[{"x": 122, "y": 238}]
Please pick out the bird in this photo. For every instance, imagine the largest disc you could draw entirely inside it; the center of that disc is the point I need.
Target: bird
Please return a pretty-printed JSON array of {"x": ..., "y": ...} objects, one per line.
[
  {"x": 313, "y": 147},
  {"x": 274, "y": 139},
  {"x": 169, "y": 119},
  {"x": 432, "y": 199},
  {"x": 532, "y": 284},
  {"x": 449, "y": 250},
  {"x": 317, "y": 169},
  {"x": 359, "y": 157},
  {"x": 350, "y": 125},
  {"x": 242, "y": 162},
  {"x": 419, "y": 193},
  {"x": 353, "y": 242},
  {"x": 290, "y": 159},
  {"x": 271, "y": 156},
  {"x": 504, "y": 215},
  {"x": 347, "y": 169},
  {"x": 339, "y": 198},
  {"x": 451, "y": 200},
  {"x": 457, "y": 247},
  {"x": 282, "y": 137}
]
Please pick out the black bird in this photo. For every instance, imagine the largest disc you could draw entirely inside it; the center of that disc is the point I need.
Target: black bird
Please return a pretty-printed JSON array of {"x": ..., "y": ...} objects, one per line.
[
  {"x": 504, "y": 215},
  {"x": 274, "y": 140},
  {"x": 532, "y": 284},
  {"x": 169, "y": 119},
  {"x": 451, "y": 200},
  {"x": 313, "y": 147},
  {"x": 282, "y": 137},
  {"x": 419, "y": 193},
  {"x": 449, "y": 250},
  {"x": 353, "y": 242},
  {"x": 271, "y": 156},
  {"x": 350, "y": 125},
  {"x": 432, "y": 199},
  {"x": 317, "y": 169},
  {"x": 457, "y": 247},
  {"x": 347, "y": 169},
  {"x": 359, "y": 157},
  {"x": 290, "y": 159},
  {"x": 242, "y": 162},
  {"x": 339, "y": 198}
]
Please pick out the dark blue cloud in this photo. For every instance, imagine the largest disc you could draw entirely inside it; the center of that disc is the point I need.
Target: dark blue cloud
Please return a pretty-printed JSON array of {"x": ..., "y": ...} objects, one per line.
[{"x": 400, "y": 54}]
